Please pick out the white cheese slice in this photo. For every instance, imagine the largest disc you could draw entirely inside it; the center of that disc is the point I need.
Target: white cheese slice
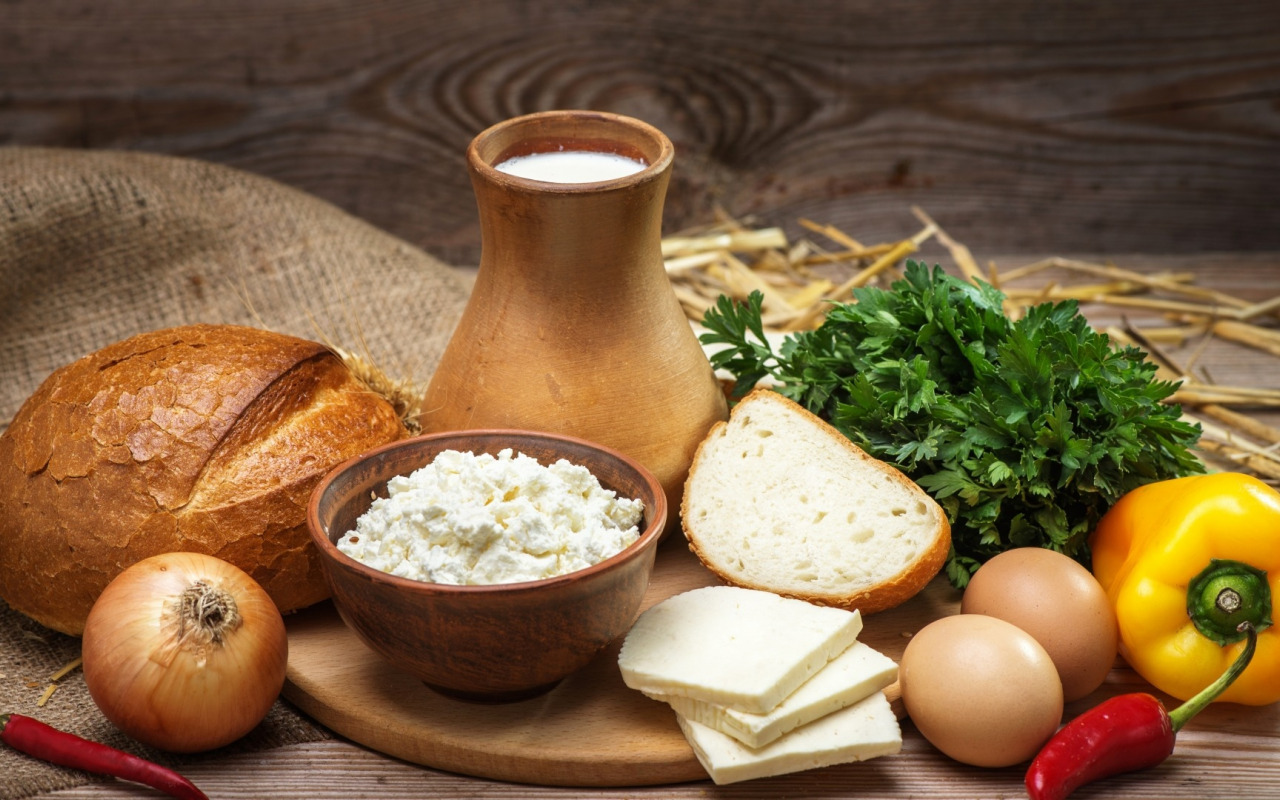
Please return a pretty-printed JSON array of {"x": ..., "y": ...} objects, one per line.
[
  {"x": 738, "y": 648},
  {"x": 864, "y": 730},
  {"x": 852, "y": 676}
]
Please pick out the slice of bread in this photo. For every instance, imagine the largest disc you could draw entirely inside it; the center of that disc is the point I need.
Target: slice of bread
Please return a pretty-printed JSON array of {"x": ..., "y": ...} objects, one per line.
[{"x": 779, "y": 500}]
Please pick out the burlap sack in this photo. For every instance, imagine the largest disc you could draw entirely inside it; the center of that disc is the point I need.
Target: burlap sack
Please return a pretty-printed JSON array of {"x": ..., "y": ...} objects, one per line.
[{"x": 98, "y": 246}]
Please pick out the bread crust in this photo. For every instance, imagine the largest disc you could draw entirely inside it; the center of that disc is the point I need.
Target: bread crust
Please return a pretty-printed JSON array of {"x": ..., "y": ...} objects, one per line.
[
  {"x": 877, "y": 597},
  {"x": 206, "y": 438}
]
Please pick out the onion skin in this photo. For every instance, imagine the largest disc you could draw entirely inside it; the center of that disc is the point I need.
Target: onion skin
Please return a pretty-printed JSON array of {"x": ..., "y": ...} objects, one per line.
[{"x": 184, "y": 695}]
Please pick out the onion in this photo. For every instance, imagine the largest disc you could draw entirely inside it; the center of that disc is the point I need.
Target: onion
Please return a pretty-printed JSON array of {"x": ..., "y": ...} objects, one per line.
[{"x": 184, "y": 652}]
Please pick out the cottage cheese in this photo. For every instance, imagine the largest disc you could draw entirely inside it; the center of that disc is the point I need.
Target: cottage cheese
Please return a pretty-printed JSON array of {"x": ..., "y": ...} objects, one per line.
[{"x": 466, "y": 520}]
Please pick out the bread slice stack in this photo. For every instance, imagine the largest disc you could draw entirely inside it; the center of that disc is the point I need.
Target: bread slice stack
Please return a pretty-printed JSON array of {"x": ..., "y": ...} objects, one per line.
[
  {"x": 763, "y": 685},
  {"x": 779, "y": 500}
]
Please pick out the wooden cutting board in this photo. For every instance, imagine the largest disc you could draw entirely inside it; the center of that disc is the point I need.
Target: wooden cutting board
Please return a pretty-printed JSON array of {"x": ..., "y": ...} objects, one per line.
[{"x": 591, "y": 730}]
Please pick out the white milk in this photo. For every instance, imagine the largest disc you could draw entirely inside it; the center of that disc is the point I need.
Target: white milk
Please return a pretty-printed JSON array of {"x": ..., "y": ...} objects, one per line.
[{"x": 571, "y": 166}]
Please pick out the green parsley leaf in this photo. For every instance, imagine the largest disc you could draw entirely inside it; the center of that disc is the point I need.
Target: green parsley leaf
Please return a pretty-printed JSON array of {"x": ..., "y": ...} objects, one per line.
[{"x": 1025, "y": 432}]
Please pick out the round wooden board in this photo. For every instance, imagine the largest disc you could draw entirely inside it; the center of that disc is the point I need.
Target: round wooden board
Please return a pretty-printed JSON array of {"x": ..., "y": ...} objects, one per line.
[{"x": 591, "y": 730}]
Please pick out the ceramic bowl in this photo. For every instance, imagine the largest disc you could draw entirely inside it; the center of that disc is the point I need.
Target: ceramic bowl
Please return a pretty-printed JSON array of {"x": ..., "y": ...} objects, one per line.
[{"x": 485, "y": 643}]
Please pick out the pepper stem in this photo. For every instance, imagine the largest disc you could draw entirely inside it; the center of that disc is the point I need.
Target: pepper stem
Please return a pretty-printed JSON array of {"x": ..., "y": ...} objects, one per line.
[
  {"x": 1183, "y": 713},
  {"x": 1225, "y": 594}
]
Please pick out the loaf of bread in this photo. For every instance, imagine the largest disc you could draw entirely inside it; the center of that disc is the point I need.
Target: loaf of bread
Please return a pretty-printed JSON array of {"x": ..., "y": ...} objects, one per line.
[
  {"x": 206, "y": 438},
  {"x": 779, "y": 500}
]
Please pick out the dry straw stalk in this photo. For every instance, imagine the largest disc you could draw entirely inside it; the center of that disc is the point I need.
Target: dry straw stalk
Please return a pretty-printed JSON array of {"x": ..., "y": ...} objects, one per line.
[{"x": 800, "y": 280}]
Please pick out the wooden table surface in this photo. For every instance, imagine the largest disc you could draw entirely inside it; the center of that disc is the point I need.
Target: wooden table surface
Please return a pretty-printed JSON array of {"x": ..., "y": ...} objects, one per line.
[{"x": 1205, "y": 765}]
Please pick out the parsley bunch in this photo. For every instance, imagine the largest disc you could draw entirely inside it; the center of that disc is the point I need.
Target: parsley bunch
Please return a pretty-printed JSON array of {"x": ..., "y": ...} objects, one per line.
[{"x": 1025, "y": 432}]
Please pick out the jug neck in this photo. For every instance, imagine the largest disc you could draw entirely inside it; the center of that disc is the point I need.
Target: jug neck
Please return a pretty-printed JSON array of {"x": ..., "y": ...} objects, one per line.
[{"x": 543, "y": 234}]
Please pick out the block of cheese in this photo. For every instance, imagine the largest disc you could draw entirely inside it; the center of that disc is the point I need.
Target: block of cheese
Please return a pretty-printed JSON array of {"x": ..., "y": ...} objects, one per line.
[
  {"x": 863, "y": 730},
  {"x": 739, "y": 648},
  {"x": 853, "y": 676}
]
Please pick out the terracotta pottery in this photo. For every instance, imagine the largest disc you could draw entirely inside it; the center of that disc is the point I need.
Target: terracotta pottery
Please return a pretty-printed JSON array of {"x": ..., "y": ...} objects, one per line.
[
  {"x": 573, "y": 326},
  {"x": 494, "y": 643}
]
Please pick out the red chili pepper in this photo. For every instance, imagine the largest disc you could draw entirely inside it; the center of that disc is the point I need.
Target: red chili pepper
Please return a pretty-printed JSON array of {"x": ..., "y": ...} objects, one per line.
[
  {"x": 1126, "y": 733},
  {"x": 36, "y": 739}
]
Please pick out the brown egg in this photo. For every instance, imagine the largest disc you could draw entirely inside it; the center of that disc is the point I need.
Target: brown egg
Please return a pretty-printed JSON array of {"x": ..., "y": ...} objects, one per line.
[
  {"x": 1058, "y": 602},
  {"x": 980, "y": 690}
]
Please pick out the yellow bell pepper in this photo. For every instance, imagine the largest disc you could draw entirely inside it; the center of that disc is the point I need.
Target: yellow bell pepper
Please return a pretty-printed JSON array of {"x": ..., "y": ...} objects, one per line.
[{"x": 1184, "y": 562}]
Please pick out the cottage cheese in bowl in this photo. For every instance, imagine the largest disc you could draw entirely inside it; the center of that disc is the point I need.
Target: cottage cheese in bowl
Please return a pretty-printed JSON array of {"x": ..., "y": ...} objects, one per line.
[{"x": 473, "y": 520}]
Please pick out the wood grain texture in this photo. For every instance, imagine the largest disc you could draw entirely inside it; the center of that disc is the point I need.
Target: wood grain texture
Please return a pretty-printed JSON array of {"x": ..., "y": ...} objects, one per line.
[
  {"x": 1203, "y": 767},
  {"x": 1098, "y": 126},
  {"x": 1199, "y": 769}
]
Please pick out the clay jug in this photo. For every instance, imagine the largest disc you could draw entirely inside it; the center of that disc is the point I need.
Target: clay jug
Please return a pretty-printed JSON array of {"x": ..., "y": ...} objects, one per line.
[{"x": 573, "y": 326}]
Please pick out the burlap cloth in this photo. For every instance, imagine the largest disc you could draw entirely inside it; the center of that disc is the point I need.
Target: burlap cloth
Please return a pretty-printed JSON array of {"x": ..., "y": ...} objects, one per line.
[{"x": 98, "y": 246}]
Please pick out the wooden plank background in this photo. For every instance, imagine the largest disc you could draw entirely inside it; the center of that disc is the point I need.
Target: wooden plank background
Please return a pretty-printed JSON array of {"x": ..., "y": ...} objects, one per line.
[{"x": 1063, "y": 126}]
